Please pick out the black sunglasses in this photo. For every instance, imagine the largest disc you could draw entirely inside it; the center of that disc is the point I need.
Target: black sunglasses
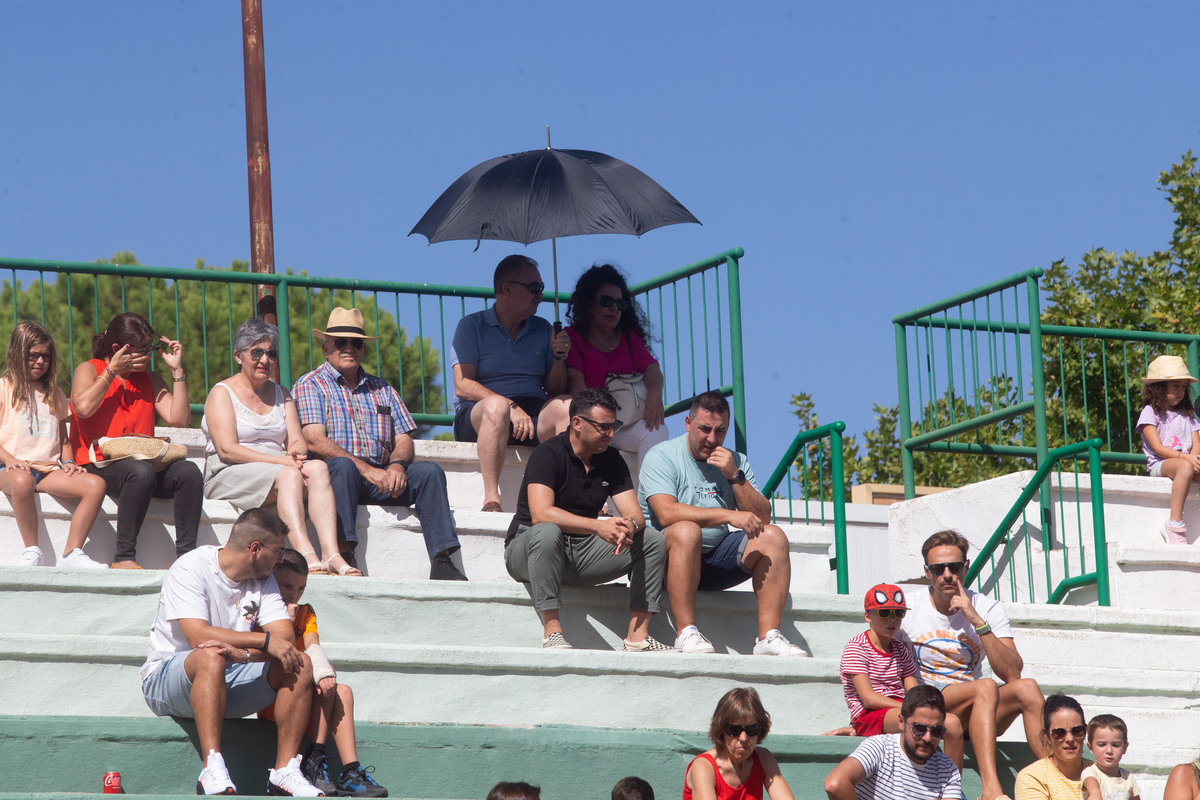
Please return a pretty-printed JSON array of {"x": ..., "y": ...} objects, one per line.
[
  {"x": 753, "y": 730},
  {"x": 920, "y": 730},
  {"x": 607, "y": 301},
  {"x": 258, "y": 353},
  {"x": 533, "y": 287},
  {"x": 146, "y": 350},
  {"x": 888, "y": 613},
  {"x": 340, "y": 343},
  {"x": 955, "y": 567},
  {"x": 1058, "y": 734},
  {"x": 603, "y": 427}
]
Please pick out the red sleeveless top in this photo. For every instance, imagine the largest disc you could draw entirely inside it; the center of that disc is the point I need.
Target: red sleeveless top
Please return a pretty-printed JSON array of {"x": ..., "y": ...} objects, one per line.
[
  {"x": 752, "y": 789},
  {"x": 127, "y": 407}
]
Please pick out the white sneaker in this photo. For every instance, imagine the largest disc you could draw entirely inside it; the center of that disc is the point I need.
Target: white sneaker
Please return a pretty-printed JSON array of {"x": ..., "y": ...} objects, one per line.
[
  {"x": 777, "y": 645},
  {"x": 31, "y": 557},
  {"x": 693, "y": 641},
  {"x": 291, "y": 781},
  {"x": 78, "y": 558},
  {"x": 214, "y": 779}
]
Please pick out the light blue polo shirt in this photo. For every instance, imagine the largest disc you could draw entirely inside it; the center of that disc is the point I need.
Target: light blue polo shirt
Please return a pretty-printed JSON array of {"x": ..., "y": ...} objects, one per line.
[
  {"x": 670, "y": 469},
  {"x": 509, "y": 367}
]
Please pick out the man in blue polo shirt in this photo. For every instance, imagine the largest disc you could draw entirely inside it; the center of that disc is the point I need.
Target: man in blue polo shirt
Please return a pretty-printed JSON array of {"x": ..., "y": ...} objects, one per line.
[{"x": 505, "y": 361}]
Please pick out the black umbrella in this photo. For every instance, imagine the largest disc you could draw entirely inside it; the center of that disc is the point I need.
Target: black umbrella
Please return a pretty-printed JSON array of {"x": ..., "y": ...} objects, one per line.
[{"x": 544, "y": 194}]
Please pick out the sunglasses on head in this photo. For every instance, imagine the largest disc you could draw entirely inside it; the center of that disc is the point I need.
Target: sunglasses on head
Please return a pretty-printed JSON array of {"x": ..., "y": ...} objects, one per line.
[
  {"x": 603, "y": 427},
  {"x": 753, "y": 730},
  {"x": 258, "y": 352},
  {"x": 1058, "y": 734},
  {"x": 888, "y": 613},
  {"x": 920, "y": 730},
  {"x": 357, "y": 344},
  {"x": 955, "y": 567},
  {"x": 607, "y": 301}
]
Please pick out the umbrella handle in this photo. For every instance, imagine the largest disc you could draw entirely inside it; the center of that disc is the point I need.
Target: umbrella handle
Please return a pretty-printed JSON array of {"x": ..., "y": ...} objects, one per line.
[{"x": 557, "y": 327}]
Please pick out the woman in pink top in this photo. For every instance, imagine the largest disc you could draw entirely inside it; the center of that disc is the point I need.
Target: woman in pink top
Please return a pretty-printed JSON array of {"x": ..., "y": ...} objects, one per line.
[
  {"x": 737, "y": 768},
  {"x": 608, "y": 334},
  {"x": 35, "y": 455}
]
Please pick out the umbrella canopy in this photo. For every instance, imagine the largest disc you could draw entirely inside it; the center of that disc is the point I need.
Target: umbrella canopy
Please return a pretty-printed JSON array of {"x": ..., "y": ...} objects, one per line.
[{"x": 544, "y": 194}]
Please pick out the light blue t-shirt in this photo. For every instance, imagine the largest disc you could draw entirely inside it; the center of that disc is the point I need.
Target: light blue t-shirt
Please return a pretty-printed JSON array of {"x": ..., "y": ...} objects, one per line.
[
  {"x": 670, "y": 469},
  {"x": 509, "y": 367}
]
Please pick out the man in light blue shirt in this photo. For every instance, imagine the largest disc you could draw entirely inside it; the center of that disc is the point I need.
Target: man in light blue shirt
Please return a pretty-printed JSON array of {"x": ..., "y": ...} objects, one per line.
[{"x": 717, "y": 525}]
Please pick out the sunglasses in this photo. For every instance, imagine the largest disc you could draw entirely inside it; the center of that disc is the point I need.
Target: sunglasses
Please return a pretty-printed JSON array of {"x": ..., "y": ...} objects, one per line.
[
  {"x": 148, "y": 349},
  {"x": 341, "y": 344},
  {"x": 955, "y": 567},
  {"x": 258, "y": 353},
  {"x": 753, "y": 730},
  {"x": 888, "y": 613},
  {"x": 533, "y": 287},
  {"x": 607, "y": 301},
  {"x": 920, "y": 730},
  {"x": 603, "y": 427},
  {"x": 33, "y": 358},
  {"x": 1058, "y": 734}
]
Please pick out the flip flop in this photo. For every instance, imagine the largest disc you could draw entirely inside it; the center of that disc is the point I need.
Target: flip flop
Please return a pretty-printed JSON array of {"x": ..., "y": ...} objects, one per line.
[
  {"x": 345, "y": 570},
  {"x": 492, "y": 506}
]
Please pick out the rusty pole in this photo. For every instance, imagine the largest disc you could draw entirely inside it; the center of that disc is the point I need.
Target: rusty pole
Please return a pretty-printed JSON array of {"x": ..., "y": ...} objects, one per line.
[{"x": 258, "y": 154}]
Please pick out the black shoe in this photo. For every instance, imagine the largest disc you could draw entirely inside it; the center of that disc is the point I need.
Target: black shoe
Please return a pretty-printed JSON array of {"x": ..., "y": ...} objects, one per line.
[
  {"x": 350, "y": 559},
  {"x": 316, "y": 770},
  {"x": 441, "y": 568},
  {"x": 359, "y": 783}
]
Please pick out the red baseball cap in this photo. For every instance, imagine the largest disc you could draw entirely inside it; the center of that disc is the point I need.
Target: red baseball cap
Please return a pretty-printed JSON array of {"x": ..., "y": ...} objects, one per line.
[{"x": 884, "y": 595}]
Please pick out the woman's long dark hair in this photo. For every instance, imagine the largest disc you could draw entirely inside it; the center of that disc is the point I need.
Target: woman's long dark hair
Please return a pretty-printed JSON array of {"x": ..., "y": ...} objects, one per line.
[
  {"x": 128, "y": 328},
  {"x": 579, "y": 310}
]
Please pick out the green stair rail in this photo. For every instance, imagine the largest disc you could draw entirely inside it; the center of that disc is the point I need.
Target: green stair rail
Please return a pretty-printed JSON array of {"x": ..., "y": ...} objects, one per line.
[{"x": 817, "y": 456}]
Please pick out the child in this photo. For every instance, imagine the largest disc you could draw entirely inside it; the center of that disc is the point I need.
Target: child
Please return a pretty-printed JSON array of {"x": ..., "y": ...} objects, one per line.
[
  {"x": 1108, "y": 739},
  {"x": 35, "y": 455},
  {"x": 333, "y": 706},
  {"x": 1170, "y": 440},
  {"x": 876, "y": 670}
]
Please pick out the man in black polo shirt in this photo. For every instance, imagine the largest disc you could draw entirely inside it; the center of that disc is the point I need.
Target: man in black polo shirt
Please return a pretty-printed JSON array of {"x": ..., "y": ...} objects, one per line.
[{"x": 556, "y": 536}]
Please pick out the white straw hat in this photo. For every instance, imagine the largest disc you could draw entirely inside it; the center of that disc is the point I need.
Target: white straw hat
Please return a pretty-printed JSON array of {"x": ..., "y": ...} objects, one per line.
[{"x": 1168, "y": 368}]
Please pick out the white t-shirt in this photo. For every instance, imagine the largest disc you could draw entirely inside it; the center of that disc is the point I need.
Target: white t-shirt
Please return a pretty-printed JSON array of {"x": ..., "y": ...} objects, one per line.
[
  {"x": 947, "y": 649},
  {"x": 1122, "y": 787},
  {"x": 196, "y": 588},
  {"x": 892, "y": 776}
]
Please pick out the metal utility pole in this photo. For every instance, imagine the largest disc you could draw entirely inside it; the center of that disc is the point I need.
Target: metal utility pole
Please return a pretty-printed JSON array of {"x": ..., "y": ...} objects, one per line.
[{"x": 258, "y": 154}]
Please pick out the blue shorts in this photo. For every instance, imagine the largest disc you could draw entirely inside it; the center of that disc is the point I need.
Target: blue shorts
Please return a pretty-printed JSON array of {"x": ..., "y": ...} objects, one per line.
[
  {"x": 464, "y": 431},
  {"x": 168, "y": 691},
  {"x": 37, "y": 474},
  {"x": 722, "y": 567},
  {"x": 1156, "y": 470}
]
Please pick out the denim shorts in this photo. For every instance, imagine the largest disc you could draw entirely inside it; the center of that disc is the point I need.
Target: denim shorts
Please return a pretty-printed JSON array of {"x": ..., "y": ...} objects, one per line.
[
  {"x": 168, "y": 691},
  {"x": 37, "y": 474},
  {"x": 722, "y": 567}
]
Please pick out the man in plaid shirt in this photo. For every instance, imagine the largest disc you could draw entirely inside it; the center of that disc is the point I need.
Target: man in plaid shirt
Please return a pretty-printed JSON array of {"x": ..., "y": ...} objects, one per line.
[{"x": 358, "y": 424}]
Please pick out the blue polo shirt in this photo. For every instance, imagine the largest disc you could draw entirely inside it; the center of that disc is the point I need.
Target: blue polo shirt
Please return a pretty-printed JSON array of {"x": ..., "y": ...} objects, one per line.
[{"x": 509, "y": 367}]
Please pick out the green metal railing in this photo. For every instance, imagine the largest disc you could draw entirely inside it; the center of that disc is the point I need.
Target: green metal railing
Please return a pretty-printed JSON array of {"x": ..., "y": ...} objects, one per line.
[
  {"x": 695, "y": 314},
  {"x": 813, "y": 461},
  {"x": 1009, "y": 554}
]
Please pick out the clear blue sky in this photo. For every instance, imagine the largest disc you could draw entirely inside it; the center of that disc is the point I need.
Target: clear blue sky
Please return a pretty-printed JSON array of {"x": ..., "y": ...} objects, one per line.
[{"x": 869, "y": 157}]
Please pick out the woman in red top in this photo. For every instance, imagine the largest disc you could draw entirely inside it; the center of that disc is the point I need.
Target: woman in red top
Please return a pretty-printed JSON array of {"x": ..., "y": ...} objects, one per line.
[
  {"x": 737, "y": 768},
  {"x": 115, "y": 394}
]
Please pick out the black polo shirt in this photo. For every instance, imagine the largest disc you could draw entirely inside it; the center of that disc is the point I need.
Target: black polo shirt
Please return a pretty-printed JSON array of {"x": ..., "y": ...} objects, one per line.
[{"x": 576, "y": 490}]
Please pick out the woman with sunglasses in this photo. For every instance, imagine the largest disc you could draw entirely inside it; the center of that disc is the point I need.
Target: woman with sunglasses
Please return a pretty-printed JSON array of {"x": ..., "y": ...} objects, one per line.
[
  {"x": 1058, "y": 776},
  {"x": 35, "y": 455},
  {"x": 737, "y": 768},
  {"x": 609, "y": 333},
  {"x": 256, "y": 454},
  {"x": 117, "y": 394}
]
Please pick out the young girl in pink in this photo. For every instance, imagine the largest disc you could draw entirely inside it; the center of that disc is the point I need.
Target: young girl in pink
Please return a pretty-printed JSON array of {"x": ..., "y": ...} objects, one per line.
[{"x": 1171, "y": 436}]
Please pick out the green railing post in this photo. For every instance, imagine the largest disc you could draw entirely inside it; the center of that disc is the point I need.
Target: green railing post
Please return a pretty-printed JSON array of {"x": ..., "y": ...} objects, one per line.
[
  {"x": 906, "y": 456},
  {"x": 283, "y": 317},
  {"x": 1039, "y": 400},
  {"x": 1099, "y": 537},
  {"x": 735, "y": 350},
  {"x": 1193, "y": 358},
  {"x": 839, "y": 509}
]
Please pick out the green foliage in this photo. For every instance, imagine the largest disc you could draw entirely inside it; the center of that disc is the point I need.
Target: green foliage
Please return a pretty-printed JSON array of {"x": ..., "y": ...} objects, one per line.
[
  {"x": 813, "y": 465},
  {"x": 203, "y": 315}
]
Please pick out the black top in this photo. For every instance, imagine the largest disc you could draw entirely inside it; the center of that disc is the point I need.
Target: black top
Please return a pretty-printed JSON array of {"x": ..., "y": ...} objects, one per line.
[{"x": 576, "y": 490}]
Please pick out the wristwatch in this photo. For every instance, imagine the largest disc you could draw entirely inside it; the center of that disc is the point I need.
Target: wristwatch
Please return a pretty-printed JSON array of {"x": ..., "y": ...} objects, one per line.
[{"x": 738, "y": 479}]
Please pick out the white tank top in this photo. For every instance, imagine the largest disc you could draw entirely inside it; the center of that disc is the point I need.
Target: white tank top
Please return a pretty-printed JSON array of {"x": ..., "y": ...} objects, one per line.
[{"x": 262, "y": 430}]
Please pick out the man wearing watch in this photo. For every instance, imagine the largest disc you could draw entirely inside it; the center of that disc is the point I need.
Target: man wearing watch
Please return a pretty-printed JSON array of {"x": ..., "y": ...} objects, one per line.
[
  {"x": 358, "y": 424},
  {"x": 951, "y": 630},
  {"x": 717, "y": 526}
]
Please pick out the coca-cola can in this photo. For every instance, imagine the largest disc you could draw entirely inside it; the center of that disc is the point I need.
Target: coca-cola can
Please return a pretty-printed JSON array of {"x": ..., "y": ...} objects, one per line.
[{"x": 112, "y": 783}]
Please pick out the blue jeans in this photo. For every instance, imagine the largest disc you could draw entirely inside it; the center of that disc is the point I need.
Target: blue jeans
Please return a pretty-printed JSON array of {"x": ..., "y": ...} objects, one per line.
[{"x": 426, "y": 493}]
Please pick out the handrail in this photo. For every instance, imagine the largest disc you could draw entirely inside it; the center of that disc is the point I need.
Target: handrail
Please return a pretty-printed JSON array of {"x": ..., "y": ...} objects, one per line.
[
  {"x": 833, "y": 431},
  {"x": 966, "y": 297}
]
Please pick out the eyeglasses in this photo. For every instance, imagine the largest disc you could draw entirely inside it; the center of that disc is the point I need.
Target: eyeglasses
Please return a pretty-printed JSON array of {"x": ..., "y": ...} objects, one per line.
[
  {"x": 608, "y": 301},
  {"x": 1077, "y": 732},
  {"x": 277, "y": 551},
  {"x": 888, "y": 613},
  {"x": 533, "y": 287},
  {"x": 33, "y": 358},
  {"x": 603, "y": 427},
  {"x": 753, "y": 730},
  {"x": 920, "y": 730},
  {"x": 341, "y": 344},
  {"x": 955, "y": 567},
  {"x": 258, "y": 353}
]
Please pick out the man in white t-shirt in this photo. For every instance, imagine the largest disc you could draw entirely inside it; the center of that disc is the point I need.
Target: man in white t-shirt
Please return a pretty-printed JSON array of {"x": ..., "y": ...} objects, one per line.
[
  {"x": 951, "y": 630},
  {"x": 222, "y": 647},
  {"x": 905, "y": 765}
]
